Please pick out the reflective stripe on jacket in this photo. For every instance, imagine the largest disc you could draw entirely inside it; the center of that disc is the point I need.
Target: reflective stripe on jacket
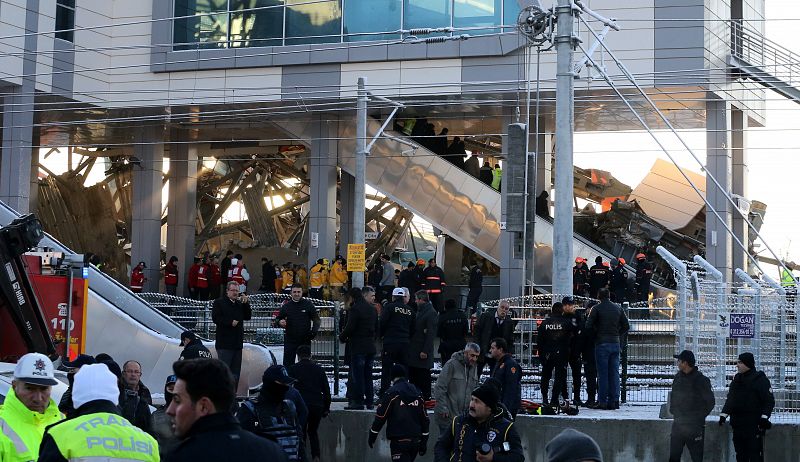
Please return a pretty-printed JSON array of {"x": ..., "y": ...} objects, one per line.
[
  {"x": 103, "y": 436},
  {"x": 22, "y": 429}
]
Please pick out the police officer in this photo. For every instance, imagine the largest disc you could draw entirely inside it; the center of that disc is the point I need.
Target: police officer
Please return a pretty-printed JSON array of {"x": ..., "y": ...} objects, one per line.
[
  {"x": 644, "y": 272},
  {"x": 300, "y": 319},
  {"x": 28, "y": 409},
  {"x": 749, "y": 405},
  {"x": 508, "y": 373},
  {"x": 402, "y": 409},
  {"x": 619, "y": 282},
  {"x": 192, "y": 347},
  {"x": 575, "y": 347},
  {"x": 598, "y": 277},
  {"x": 580, "y": 278},
  {"x": 553, "y": 339},
  {"x": 586, "y": 339},
  {"x": 481, "y": 434},
  {"x": 452, "y": 329},
  {"x": 97, "y": 431},
  {"x": 397, "y": 325}
]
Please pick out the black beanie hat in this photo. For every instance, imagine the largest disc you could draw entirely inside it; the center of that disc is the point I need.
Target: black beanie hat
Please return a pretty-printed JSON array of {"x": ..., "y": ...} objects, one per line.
[
  {"x": 488, "y": 394},
  {"x": 748, "y": 360},
  {"x": 572, "y": 446},
  {"x": 399, "y": 371}
]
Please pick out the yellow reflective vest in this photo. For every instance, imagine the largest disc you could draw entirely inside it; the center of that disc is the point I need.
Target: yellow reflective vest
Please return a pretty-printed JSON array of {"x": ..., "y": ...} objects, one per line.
[
  {"x": 319, "y": 276},
  {"x": 288, "y": 278},
  {"x": 23, "y": 429},
  {"x": 338, "y": 275},
  {"x": 103, "y": 436},
  {"x": 787, "y": 278}
]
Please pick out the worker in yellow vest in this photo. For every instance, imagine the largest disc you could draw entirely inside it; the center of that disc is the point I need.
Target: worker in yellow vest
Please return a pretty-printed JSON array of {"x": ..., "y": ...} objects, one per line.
[
  {"x": 787, "y": 278},
  {"x": 317, "y": 279},
  {"x": 302, "y": 277},
  {"x": 287, "y": 278},
  {"x": 98, "y": 431},
  {"x": 28, "y": 409},
  {"x": 338, "y": 277}
]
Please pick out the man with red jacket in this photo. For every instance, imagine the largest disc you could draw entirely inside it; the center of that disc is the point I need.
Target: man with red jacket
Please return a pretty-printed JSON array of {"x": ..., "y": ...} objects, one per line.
[
  {"x": 137, "y": 278},
  {"x": 193, "y": 270},
  {"x": 171, "y": 276},
  {"x": 203, "y": 280},
  {"x": 216, "y": 278}
]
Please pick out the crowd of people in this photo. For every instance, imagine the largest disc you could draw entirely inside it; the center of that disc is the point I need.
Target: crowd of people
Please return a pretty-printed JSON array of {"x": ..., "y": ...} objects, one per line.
[{"x": 612, "y": 275}]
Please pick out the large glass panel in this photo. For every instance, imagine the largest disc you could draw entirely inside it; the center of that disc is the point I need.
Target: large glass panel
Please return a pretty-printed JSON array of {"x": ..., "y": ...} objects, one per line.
[
  {"x": 364, "y": 16},
  {"x": 511, "y": 9},
  {"x": 200, "y": 23},
  {"x": 256, "y": 23},
  {"x": 476, "y": 13},
  {"x": 426, "y": 13},
  {"x": 65, "y": 20},
  {"x": 313, "y": 21}
]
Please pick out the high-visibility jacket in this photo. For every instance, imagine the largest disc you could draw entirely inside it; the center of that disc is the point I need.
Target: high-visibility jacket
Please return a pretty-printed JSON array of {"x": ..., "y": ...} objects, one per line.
[
  {"x": 497, "y": 177},
  {"x": 338, "y": 275},
  {"x": 241, "y": 276},
  {"x": 318, "y": 277},
  {"x": 302, "y": 278},
  {"x": 137, "y": 279},
  {"x": 203, "y": 274},
  {"x": 433, "y": 279},
  {"x": 21, "y": 429},
  {"x": 170, "y": 274},
  {"x": 787, "y": 279},
  {"x": 101, "y": 436},
  {"x": 287, "y": 276}
]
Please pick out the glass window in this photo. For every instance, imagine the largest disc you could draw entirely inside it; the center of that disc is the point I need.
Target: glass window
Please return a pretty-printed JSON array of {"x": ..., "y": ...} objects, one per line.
[
  {"x": 476, "y": 13},
  {"x": 65, "y": 20},
  {"x": 426, "y": 13},
  {"x": 202, "y": 23},
  {"x": 362, "y": 16},
  {"x": 511, "y": 9},
  {"x": 317, "y": 22},
  {"x": 256, "y": 23}
]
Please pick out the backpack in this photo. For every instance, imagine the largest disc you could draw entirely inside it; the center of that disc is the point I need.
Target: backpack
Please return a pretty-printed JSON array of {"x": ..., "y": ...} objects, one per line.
[{"x": 282, "y": 428}]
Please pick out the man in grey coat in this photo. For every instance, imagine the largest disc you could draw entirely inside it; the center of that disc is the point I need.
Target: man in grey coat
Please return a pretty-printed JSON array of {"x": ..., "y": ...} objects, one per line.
[
  {"x": 459, "y": 376},
  {"x": 387, "y": 280},
  {"x": 420, "y": 352}
]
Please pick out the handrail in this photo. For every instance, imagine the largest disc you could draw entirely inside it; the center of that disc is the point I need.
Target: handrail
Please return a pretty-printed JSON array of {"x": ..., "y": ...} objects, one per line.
[{"x": 753, "y": 47}]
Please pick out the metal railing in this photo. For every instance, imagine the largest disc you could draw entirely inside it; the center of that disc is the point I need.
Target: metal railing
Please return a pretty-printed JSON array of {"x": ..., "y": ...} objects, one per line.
[{"x": 752, "y": 47}]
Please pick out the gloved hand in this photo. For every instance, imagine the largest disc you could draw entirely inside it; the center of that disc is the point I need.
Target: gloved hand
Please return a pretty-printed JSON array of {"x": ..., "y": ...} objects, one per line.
[
  {"x": 372, "y": 437},
  {"x": 722, "y": 420},
  {"x": 764, "y": 423}
]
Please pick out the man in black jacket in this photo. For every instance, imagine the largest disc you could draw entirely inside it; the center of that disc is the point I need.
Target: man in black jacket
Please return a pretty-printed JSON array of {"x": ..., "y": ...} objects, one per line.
[
  {"x": 203, "y": 396},
  {"x": 433, "y": 282},
  {"x": 483, "y": 424},
  {"x": 300, "y": 319},
  {"x": 619, "y": 282},
  {"x": 312, "y": 383},
  {"x": 493, "y": 324},
  {"x": 690, "y": 403},
  {"x": 397, "y": 325},
  {"x": 452, "y": 330},
  {"x": 420, "y": 350},
  {"x": 553, "y": 339},
  {"x": 508, "y": 373},
  {"x": 135, "y": 398},
  {"x": 644, "y": 272},
  {"x": 408, "y": 278},
  {"x": 580, "y": 278},
  {"x": 749, "y": 405},
  {"x": 402, "y": 409},
  {"x": 229, "y": 313},
  {"x": 598, "y": 277},
  {"x": 193, "y": 347},
  {"x": 359, "y": 334},
  {"x": 609, "y": 323},
  {"x": 475, "y": 288},
  {"x": 575, "y": 348}
]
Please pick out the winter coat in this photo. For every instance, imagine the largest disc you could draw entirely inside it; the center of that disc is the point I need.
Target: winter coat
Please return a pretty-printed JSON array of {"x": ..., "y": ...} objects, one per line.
[
  {"x": 402, "y": 409},
  {"x": 691, "y": 399},
  {"x": 749, "y": 398},
  {"x": 360, "y": 331},
  {"x": 465, "y": 435},
  {"x": 483, "y": 332},
  {"x": 224, "y": 312},
  {"x": 452, "y": 329},
  {"x": 195, "y": 349},
  {"x": 433, "y": 279},
  {"x": 302, "y": 321},
  {"x": 454, "y": 386},
  {"x": 387, "y": 277},
  {"x": 397, "y": 323},
  {"x": 608, "y": 321},
  {"x": 422, "y": 340},
  {"x": 508, "y": 371},
  {"x": 312, "y": 383},
  {"x": 408, "y": 279}
]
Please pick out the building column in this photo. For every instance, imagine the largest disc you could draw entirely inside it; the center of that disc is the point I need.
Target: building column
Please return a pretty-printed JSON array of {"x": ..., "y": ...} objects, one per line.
[
  {"x": 15, "y": 157},
  {"x": 347, "y": 189},
  {"x": 718, "y": 164},
  {"x": 739, "y": 182},
  {"x": 322, "y": 173},
  {"x": 148, "y": 150},
  {"x": 511, "y": 247},
  {"x": 182, "y": 204}
]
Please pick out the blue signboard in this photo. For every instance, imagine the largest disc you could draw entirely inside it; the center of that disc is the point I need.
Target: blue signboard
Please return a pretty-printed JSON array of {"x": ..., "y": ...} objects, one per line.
[{"x": 742, "y": 325}]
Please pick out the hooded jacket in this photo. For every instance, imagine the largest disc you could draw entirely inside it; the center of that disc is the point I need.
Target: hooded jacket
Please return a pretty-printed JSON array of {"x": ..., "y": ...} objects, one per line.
[
  {"x": 422, "y": 339},
  {"x": 749, "y": 398},
  {"x": 692, "y": 398},
  {"x": 195, "y": 349},
  {"x": 28, "y": 426},
  {"x": 402, "y": 409},
  {"x": 608, "y": 321},
  {"x": 454, "y": 386},
  {"x": 360, "y": 331}
]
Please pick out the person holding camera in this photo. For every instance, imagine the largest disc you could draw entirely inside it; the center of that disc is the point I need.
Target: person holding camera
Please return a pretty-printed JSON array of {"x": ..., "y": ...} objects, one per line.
[
  {"x": 229, "y": 313},
  {"x": 482, "y": 434},
  {"x": 300, "y": 319}
]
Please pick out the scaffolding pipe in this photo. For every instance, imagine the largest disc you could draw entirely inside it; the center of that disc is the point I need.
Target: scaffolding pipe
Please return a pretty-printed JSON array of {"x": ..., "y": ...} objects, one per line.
[{"x": 683, "y": 297}]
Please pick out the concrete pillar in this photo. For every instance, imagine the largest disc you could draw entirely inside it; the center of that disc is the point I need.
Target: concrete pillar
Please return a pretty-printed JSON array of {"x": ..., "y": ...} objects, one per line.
[
  {"x": 718, "y": 164},
  {"x": 739, "y": 127},
  {"x": 511, "y": 251},
  {"x": 182, "y": 204},
  {"x": 148, "y": 151},
  {"x": 322, "y": 172},
  {"x": 347, "y": 185},
  {"x": 15, "y": 158}
]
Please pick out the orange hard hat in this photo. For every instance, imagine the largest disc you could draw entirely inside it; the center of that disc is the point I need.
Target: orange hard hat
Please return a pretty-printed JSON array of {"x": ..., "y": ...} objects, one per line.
[
  {"x": 579, "y": 260},
  {"x": 420, "y": 262},
  {"x": 606, "y": 264},
  {"x": 621, "y": 260},
  {"x": 639, "y": 256}
]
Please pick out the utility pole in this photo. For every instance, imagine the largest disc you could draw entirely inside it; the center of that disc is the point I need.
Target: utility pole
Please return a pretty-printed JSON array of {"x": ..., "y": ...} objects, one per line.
[
  {"x": 360, "y": 191},
  {"x": 565, "y": 126}
]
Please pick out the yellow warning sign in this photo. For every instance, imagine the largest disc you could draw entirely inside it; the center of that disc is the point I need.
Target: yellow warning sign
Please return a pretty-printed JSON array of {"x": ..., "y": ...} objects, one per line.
[{"x": 356, "y": 255}]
